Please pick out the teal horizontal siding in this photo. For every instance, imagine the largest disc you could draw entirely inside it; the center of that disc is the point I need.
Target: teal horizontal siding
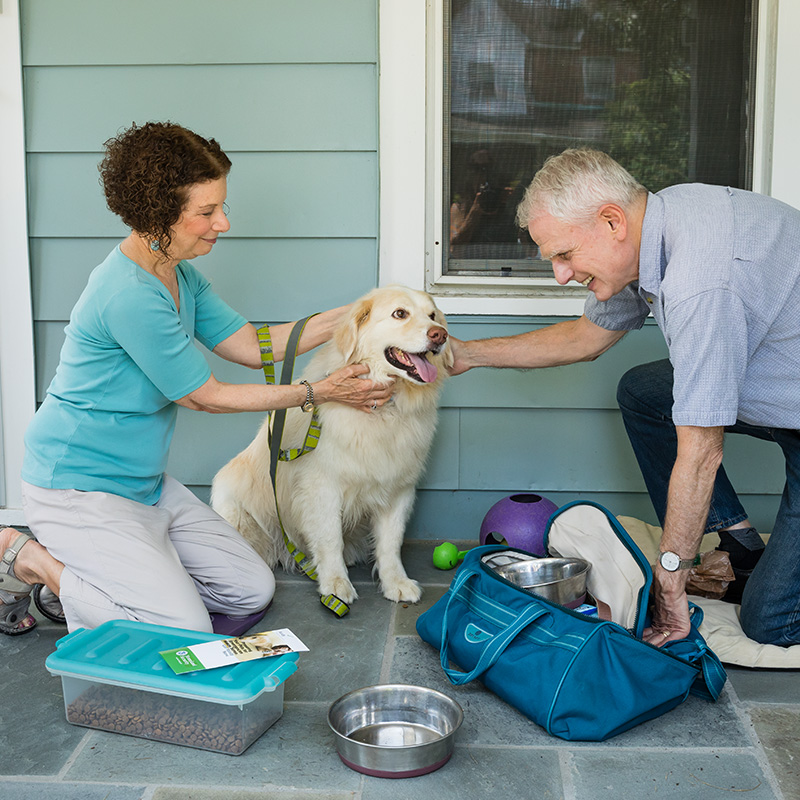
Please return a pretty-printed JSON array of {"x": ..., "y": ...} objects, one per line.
[
  {"x": 589, "y": 385},
  {"x": 107, "y": 32},
  {"x": 287, "y": 107},
  {"x": 264, "y": 279},
  {"x": 546, "y": 449},
  {"x": 451, "y": 515},
  {"x": 308, "y": 195}
]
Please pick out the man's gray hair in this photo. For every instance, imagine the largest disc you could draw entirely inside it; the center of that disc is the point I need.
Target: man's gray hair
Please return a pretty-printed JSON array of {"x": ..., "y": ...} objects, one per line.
[{"x": 573, "y": 185}]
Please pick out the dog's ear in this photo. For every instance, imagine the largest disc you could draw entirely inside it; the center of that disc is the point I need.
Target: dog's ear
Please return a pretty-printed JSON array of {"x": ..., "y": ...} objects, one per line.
[{"x": 346, "y": 336}]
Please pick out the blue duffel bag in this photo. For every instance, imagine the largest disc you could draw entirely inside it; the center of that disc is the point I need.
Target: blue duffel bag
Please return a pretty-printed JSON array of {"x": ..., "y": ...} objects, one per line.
[{"x": 580, "y": 677}]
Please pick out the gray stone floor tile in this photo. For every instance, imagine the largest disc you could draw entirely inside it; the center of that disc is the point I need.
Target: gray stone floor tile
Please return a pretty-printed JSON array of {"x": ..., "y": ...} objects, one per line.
[
  {"x": 35, "y": 738},
  {"x": 298, "y": 752},
  {"x": 193, "y": 793},
  {"x": 683, "y": 775},
  {"x": 418, "y": 560},
  {"x": 489, "y": 720},
  {"x": 359, "y": 573},
  {"x": 778, "y": 730},
  {"x": 344, "y": 654},
  {"x": 765, "y": 685},
  {"x": 406, "y": 614},
  {"x": 68, "y": 791},
  {"x": 475, "y": 773}
]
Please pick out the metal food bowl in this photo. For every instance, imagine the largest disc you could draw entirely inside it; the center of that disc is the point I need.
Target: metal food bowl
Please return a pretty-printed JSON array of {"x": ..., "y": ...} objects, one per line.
[
  {"x": 561, "y": 580},
  {"x": 395, "y": 730}
]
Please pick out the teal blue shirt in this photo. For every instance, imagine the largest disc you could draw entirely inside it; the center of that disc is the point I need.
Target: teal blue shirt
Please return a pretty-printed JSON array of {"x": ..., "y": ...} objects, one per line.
[{"x": 107, "y": 420}]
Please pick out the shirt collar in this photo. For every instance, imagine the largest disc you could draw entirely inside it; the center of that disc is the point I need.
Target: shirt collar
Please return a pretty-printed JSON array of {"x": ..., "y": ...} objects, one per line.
[{"x": 652, "y": 258}]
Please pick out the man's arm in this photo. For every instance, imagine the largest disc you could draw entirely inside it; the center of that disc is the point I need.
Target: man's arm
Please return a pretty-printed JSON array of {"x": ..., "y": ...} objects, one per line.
[
  {"x": 563, "y": 343},
  {"x": 690, "y": 487}
]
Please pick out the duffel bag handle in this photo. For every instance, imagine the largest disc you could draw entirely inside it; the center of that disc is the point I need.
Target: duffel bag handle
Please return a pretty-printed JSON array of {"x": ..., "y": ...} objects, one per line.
[
  {"x": 694, "y": 649},
  {"x": 496, "y": 645}
]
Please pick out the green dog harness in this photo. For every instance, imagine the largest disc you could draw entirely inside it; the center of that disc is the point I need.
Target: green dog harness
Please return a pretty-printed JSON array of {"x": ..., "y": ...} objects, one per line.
[{"x": 330, "y": 601}]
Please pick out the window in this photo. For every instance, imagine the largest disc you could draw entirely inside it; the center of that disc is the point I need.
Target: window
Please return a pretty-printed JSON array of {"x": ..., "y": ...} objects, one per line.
[{"x": 664, "y": 86}]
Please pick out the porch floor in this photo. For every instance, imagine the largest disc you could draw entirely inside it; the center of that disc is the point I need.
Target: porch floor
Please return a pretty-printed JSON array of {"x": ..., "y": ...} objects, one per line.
[{"x": 745, "y": 745}]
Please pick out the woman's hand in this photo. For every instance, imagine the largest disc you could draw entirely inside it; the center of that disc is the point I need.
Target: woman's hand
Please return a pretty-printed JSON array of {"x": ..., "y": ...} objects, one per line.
[{"x": 345, "y": 386}]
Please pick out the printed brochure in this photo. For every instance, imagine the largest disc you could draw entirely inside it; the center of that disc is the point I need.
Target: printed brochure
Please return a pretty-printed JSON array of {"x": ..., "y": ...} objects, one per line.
[{"x": 224, "y": 652}]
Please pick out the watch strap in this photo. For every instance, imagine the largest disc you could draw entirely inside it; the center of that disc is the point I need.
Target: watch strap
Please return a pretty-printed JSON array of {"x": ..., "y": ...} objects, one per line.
[{"x": 683, "y": 563}]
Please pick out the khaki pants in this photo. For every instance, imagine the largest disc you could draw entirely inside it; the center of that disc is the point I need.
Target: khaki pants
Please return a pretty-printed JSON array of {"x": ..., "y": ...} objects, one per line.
[{"x": 167, "y": 564}]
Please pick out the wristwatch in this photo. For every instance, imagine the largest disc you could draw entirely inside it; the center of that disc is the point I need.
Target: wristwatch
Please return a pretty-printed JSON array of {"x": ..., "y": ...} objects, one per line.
[
  {"x": 308, "y": 403},
  {"x": 672, "y": 562}
]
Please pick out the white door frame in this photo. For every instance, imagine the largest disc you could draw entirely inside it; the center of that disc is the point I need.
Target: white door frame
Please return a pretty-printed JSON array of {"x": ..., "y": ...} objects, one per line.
[{"x": 17, "y": 371}]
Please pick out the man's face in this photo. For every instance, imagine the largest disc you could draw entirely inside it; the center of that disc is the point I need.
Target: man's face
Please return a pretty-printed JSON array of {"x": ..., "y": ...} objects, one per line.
[{"x": 599, "y": 255}]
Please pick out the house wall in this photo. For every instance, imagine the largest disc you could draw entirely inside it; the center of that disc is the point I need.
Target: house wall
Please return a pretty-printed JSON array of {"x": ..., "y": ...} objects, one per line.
[{"x": 291, "y": 92}]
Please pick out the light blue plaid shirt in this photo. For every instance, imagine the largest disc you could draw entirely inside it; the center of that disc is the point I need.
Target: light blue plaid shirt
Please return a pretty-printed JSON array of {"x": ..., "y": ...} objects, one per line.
[{"x": 719, "y": 269}]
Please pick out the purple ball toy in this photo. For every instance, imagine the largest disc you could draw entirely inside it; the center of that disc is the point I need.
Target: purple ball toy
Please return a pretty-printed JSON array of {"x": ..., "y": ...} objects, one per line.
[{"x": 519, "y": 521}]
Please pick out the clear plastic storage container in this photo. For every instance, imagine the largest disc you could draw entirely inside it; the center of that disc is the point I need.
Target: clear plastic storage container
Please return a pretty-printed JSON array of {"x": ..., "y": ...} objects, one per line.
[{"x": 114, "y": 679}]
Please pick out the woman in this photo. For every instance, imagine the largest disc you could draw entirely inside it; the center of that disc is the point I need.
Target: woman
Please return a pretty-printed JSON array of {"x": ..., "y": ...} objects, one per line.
[{"x": 115, "y": 537}]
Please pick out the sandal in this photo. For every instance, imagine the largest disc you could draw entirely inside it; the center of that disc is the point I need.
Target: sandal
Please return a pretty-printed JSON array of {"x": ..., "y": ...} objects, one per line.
[{"x": 14, "y": 594}]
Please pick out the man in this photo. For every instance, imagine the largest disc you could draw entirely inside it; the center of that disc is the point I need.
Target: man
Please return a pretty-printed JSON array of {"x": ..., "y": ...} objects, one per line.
[{"x": 719, "y": 269}]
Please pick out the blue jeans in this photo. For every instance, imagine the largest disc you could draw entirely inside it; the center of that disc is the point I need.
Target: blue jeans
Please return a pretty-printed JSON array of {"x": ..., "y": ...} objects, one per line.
[{"x": 771, "y": 601}]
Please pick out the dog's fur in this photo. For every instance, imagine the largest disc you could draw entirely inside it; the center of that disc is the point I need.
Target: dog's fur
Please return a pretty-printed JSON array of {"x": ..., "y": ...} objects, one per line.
[{"x": 356, "y": 488}]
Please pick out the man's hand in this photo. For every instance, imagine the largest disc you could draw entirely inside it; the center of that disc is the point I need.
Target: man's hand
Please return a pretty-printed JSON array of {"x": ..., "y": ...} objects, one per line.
[
  {"x": 459, "y": 352},
  {"x": 690, "y": 487},
  {"x": 671, "y": 616}
]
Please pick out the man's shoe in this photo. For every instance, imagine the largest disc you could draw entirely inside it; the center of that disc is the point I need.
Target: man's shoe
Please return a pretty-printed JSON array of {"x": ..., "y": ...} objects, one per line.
[{"x": 745, "y": 547}]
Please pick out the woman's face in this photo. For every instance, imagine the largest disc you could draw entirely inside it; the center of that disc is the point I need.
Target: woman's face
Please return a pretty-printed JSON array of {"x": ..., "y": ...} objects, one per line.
[{"x": 201, "y": 221}]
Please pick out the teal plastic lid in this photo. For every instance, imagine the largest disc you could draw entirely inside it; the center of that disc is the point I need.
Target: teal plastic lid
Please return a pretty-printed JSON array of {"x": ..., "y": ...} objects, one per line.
[{"x": 125, "y": 653}]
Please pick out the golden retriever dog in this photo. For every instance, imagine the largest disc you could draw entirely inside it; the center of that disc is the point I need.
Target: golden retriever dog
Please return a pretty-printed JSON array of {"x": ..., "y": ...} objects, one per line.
[{"x": 349, "y": 499}]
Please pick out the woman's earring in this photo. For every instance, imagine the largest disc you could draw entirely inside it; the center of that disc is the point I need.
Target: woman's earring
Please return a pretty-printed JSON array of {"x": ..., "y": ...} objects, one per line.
[{"x": 154, "y": 245}]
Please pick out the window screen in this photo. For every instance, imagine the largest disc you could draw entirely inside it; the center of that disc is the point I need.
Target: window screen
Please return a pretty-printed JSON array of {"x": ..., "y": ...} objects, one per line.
[{"x": 664, "y": 86}]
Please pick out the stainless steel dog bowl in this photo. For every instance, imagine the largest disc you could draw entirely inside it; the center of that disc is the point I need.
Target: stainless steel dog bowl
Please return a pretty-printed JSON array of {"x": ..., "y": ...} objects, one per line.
[
  {"x": 562, "y": 580},
  {"x": 395, "y": 730}
]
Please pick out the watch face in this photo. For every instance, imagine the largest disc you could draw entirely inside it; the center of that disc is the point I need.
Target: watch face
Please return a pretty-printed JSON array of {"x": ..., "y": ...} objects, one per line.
[{"x": 670, "y": 561}]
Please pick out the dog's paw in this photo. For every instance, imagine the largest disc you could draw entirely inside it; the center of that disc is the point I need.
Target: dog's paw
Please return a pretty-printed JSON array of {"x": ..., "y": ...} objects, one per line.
[
  {"x": 341, "y": 587},
  {"x": 402, "y": 591}
]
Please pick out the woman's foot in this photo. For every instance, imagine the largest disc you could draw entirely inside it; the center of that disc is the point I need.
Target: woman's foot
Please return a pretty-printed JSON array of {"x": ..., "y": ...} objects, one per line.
[{"x": 14, "y": 593}]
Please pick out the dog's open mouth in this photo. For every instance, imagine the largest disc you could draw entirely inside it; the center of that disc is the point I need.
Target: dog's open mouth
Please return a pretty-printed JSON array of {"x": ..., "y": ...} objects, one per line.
[{"x": 415, "y": 364}]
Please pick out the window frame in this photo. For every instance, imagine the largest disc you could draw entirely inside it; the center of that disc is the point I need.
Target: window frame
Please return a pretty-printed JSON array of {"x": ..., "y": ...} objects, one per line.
[{"x": 411, "y": 52}]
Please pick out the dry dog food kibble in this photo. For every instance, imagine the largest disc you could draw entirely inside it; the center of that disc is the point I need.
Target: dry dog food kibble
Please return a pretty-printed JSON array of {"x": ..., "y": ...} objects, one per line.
[{"x": 167, "y": 719}]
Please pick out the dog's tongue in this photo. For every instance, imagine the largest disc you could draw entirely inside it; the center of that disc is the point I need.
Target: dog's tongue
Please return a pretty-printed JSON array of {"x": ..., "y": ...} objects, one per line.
[{"x": 424, "y": 368}]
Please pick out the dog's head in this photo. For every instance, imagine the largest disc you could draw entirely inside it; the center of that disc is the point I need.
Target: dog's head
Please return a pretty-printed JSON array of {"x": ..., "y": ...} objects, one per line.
[{"x": 396, "y": 331}]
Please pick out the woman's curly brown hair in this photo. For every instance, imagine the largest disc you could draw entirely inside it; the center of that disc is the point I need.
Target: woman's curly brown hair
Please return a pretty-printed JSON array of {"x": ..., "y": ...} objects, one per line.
[{"x": 147, "y": 171}]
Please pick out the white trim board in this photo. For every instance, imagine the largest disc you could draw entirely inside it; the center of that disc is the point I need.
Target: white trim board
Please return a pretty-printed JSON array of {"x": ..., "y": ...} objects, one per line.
[{"x": 17, "y": 375}]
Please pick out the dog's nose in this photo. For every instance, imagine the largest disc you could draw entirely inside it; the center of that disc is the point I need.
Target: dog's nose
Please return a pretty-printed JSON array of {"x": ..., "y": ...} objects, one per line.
[{"x": 437, "y": 335}]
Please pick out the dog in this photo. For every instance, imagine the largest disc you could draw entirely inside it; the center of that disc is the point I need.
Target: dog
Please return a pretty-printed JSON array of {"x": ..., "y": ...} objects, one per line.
[{"x": 349, "y": 499}]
